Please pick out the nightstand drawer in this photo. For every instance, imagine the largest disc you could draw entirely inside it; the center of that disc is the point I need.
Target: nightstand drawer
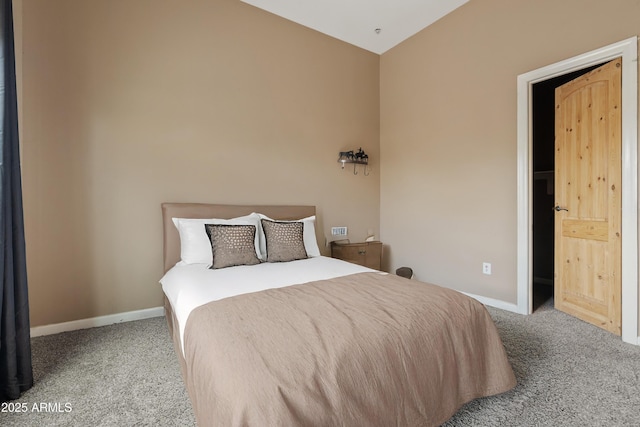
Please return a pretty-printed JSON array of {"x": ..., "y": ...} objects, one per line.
[{"x": 368, "y": 254}]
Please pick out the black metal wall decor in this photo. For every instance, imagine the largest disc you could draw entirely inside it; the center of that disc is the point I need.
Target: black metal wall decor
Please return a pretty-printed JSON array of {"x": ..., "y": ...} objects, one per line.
[{"x": 357, "y": 158}]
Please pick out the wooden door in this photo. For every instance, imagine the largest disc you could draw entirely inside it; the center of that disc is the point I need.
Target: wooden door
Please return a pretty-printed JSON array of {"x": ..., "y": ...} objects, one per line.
[{"x": 588, "y": 162}]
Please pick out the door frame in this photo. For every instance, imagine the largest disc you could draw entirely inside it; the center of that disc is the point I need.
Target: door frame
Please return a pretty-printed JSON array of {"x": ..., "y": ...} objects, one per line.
[{"x": 628, "y": 50}]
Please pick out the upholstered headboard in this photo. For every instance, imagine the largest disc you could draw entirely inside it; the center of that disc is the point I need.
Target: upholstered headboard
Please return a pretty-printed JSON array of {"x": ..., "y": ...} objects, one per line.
[{"x": 171, "y": 239}]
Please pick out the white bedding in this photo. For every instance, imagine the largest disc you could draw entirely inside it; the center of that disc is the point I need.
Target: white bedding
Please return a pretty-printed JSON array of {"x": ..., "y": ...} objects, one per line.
[{"x": 190, "y": 286}]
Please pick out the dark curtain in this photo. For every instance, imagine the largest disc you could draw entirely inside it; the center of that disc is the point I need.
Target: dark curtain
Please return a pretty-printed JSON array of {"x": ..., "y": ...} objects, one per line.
[{"x": 15, "y": 348}]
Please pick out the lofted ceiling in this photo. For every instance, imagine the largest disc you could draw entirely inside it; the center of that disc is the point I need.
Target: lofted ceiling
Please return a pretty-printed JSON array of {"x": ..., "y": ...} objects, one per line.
[{"x": 374, "y": 25}]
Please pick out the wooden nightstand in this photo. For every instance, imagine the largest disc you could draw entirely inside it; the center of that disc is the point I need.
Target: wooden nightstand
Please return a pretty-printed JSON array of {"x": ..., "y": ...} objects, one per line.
[{"x": 368, "y": 254}]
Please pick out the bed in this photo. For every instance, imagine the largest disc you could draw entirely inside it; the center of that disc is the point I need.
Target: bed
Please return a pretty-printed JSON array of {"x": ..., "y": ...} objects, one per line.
[{"x": 317, "y": 341}]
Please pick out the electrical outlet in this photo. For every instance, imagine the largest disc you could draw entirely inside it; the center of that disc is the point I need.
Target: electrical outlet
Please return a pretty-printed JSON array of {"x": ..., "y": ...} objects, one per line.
[
  {"x": 339, "y": 231},
  {"x": 486, "y": 268}
]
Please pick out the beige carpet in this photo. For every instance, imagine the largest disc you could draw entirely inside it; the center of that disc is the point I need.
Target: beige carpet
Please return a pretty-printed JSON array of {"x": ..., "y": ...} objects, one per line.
[{"x": 569, "y": 374}]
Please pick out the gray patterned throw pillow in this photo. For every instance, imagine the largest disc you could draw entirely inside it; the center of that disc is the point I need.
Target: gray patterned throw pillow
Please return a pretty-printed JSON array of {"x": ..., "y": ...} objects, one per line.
[
  {"x": 284, "y": 240},
  {"x": 232, "y": 244}
]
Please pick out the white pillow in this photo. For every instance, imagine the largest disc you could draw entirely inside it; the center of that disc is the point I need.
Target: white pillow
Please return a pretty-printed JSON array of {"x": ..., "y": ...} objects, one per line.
[
  {"x": 308, "y": 236},
  {"x": 195, "y": 247}
]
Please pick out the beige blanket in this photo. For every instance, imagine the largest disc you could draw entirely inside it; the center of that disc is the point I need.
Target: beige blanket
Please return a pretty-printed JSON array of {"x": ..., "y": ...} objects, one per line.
[{"x": 361, "y": 350}]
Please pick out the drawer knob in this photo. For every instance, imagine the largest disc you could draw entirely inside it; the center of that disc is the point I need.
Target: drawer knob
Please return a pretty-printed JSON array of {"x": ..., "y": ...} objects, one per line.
[{"x": 362, "y": 252}]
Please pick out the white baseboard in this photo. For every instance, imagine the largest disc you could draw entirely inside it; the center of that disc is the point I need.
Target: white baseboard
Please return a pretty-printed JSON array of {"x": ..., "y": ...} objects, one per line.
[
  {"x": 97, "y": 321},
  {"x": 495, "y": 303},
  {"x": 147, "y": 313},
  {"x": 512, "y": 307}
]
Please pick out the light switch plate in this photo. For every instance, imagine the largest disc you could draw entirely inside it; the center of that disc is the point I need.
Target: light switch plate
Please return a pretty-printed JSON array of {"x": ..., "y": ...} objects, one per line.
[{"x": 338, "y": 231}]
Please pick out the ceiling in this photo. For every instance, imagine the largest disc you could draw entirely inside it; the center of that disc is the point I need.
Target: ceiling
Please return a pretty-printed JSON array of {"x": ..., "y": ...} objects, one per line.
[{"x": 356, "y": 21}]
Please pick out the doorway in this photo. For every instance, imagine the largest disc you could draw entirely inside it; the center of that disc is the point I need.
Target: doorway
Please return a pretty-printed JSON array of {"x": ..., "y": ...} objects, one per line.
[
  {"x": 543, "y": 166},
  {"x": 628, "y": 50}
]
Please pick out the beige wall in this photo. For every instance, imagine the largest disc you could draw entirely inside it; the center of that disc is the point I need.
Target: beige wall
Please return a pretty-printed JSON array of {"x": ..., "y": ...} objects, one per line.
[
  {"x": 127, "y": 104},
  {"x": 448, "y": 131}
]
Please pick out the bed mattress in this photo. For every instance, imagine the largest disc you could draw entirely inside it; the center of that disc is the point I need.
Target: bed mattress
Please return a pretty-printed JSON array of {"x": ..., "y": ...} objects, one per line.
[
  {"x": 190, "y": 286},
  {"x": 324, "y": 342}
]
